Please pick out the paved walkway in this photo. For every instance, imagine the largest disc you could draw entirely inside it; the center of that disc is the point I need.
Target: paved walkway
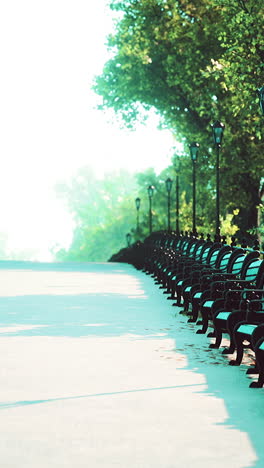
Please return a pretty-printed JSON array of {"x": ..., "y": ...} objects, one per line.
[{"x": 98, "y": 370}]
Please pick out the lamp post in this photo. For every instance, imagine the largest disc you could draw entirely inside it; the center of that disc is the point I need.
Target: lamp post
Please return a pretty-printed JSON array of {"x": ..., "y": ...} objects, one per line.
[
  {"x": 137, "y": 201},
  {"x": 177, "y": 195},
  {"x": 194, "y": 148},
  {"x": 128, "y": 238},
  {"x": 177, "y": 205},
  {"x": 218, "y": 131},
  {"x": 150, "y": 195},
  {"x": 260, "y": 92},
  {"x": 168, "y": 187}
]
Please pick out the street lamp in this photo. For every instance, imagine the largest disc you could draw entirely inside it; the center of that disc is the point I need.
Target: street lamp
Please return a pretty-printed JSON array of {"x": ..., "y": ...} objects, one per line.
[
  {"x": 128, "y": 237},
  {"x": 177, "y": 195},
  {"x": 218, "y": 131},
  {"x": 260, "y": 92},
  {"x": 194, "y": 148},
  {"x": 150, "y": 194},
  {"x": 137, "y": 201},
  {"x": 177, "y": 205},
  {"x": 168, "y": 187}
]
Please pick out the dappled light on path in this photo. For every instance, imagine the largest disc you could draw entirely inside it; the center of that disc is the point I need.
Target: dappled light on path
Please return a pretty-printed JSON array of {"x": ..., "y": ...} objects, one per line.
[
  {"x": 37, "y": 402},
  {"x": 51, "y": 279},
  {"x": 98, "y": 369}
]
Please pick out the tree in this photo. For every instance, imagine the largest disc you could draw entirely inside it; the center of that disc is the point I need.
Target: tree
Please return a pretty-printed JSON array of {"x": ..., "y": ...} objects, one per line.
[
  {"x": 195, "y": 62},
  {"x": 102, "y": 211}
]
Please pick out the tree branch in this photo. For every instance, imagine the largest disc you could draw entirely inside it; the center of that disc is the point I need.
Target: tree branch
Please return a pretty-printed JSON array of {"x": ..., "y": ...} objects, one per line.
[{"x": 243, "y": 6}]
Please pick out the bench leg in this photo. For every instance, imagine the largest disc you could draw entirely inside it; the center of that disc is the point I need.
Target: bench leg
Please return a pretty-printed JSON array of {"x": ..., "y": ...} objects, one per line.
[
  {"x": 173, "y": 292},
  {"x": 253, "y": 370},
  {"x": 231, "y": 348},
  {"x": 204, "y": 323},
  {"x": 195, "y": 311},
  {"x": 238, "y": 338},
  {"x": 231, "y": 323},
  {"x": 211, "y": 334},
  {"x": 185, "y": 306},
  {"x": 256, "y": 340},
  {"x": 218, "y": 337},
  {"x": 178, "y": 294},
  {"x": 260, "y": 363}
]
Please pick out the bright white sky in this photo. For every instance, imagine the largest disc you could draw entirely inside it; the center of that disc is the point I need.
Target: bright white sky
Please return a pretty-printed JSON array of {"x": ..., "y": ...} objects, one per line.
[{"x": 50, "y": 52}]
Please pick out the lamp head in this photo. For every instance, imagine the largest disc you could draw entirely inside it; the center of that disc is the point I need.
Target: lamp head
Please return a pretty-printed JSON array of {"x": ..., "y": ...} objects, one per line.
[
  {"x": 194, "y": 148},
  {"x": 168, "y": 184},
  {"x": 137, "y": 200},
  {"x": 150, "y": 191},
  {"x": 218, "y": 132}
]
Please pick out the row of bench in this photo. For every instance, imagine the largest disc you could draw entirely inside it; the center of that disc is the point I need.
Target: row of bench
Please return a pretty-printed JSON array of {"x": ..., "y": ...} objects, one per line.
[{"x": 216, "y": 283}]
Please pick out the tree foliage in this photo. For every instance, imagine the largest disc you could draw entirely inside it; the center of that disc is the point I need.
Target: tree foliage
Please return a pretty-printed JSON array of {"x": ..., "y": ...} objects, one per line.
[
  {"x": 195, "y": 62},
  {"x": 101, "y": 210},
  {"x": 104, "y": 210}
]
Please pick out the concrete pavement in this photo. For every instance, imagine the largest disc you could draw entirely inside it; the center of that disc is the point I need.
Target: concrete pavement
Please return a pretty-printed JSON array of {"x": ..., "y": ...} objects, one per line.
[{"x": 98, "y": 370}]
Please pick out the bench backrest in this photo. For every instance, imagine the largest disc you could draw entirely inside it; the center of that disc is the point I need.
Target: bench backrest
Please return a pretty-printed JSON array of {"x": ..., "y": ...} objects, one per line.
[
  {"x": 204, "y": 254},
  {"x": 253, "y": 267},
  {"x": 237, "y": 264},
  {"x": 197, "y": 249},
  {"x": 224, "y": 260},
  {"x": 252, "y": 270},
  {"x": 213, "y": 255},
  {"x": 190, "y": 247},
  {"x": 198, "y": 252},
  {"x": 184, "y": 245}
]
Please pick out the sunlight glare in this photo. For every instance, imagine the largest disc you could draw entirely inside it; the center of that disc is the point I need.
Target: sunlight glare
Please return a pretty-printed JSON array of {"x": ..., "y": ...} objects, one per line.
[{"x": 50, "y": 126}]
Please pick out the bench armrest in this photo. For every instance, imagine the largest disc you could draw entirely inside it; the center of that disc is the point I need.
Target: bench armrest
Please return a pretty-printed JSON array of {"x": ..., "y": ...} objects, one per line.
[{"x": 245, "y": 294}]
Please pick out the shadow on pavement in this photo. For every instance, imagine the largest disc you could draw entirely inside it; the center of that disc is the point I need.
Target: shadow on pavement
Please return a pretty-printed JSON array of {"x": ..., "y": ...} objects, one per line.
[{"x": 142, "y": 313}]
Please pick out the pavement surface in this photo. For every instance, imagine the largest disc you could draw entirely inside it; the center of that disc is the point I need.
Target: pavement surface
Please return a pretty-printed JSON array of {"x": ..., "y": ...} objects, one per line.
[{"x": 97, "y": 369}]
